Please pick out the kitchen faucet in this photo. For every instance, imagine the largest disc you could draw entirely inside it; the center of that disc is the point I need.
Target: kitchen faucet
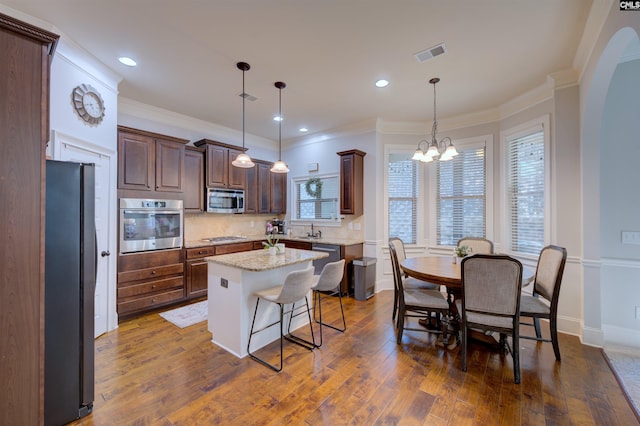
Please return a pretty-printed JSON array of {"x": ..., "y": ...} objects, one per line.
[{"x": 314, "y": 235}]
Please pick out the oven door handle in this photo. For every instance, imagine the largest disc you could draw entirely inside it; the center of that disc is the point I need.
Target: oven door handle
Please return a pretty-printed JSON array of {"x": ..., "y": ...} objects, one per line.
[{"x": 152, "y": 211}]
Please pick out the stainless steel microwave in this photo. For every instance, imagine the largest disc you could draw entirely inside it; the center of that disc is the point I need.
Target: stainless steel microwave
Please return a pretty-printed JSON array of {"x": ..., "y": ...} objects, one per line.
[
  {"x": 225, "y": 200},
  {"x": 150, "y": 224}
]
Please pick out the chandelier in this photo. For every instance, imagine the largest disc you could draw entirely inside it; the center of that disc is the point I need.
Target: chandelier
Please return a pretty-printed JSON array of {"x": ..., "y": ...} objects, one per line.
[{"x": 435, "y": 150}]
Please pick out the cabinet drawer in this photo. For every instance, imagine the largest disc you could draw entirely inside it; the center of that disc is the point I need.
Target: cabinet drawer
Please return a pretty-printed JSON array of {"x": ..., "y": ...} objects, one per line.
[
  {"x": 150, "y": 301},
  {"x": 149, "y": 287},
  {"x": 234, "y": 248},
  {"x": 197, "y": 252},
  {"x": 150, "y": 273},
  {"x": 150, "y": 259}
]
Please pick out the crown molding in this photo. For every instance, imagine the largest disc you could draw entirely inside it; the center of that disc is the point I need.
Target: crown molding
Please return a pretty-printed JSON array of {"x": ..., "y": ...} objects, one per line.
[{"x": 595, "y": 22}]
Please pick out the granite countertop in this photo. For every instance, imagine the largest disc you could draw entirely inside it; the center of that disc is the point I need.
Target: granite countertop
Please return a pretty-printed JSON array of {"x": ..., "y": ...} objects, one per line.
[
  {"x": 283, "y": 238},
  {"x": 261, "y": 260}
]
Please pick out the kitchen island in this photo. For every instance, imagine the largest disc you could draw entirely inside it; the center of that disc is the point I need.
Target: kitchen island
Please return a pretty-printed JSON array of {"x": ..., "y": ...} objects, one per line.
[{"x": 232, "y": 280}]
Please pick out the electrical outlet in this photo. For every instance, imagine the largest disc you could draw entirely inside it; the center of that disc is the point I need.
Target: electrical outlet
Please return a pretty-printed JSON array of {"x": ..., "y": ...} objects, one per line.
[
  {"x": 224, "y": 283},
  {"x": 630, "y": 237}
]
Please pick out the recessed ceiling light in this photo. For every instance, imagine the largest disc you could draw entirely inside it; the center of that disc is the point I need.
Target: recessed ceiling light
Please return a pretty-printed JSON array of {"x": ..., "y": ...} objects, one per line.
[
  {"x": 127, "y": 61},
  {"x": 304, "y": 129},
  {"x": 382, "y": 83},
  {"x": 278, "y": 118}
]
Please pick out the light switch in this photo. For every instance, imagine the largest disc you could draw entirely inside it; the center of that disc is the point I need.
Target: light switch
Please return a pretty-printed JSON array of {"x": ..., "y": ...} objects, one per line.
[{"x": 631, "y": 237}]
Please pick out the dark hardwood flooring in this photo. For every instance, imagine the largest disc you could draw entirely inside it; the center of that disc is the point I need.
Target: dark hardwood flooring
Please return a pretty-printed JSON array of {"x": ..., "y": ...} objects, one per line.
[{"x": 150, "y": 372}]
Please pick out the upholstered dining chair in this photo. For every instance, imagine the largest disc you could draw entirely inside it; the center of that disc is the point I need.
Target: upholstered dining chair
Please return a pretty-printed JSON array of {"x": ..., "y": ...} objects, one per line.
[
  {"x": 477, "y": 245},
  {"x": 328, "y": 282},
  {"x": 490, "y": 301},
  {"x": 296, "y": 286},
  {"x": 416, "y": 302},
  {"x": 408, "y": 282},
  {"x": 546, "y": 292}
]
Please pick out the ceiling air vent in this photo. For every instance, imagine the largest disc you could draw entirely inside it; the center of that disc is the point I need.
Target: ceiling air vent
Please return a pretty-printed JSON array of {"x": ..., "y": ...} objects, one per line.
[
  {"x": 431, "y": 52},
  {"x": 248, "y": 96}
]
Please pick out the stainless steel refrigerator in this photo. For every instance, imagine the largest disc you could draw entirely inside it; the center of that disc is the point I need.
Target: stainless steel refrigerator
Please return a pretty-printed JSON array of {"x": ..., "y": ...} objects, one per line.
[{"x": 70, "y": 279}]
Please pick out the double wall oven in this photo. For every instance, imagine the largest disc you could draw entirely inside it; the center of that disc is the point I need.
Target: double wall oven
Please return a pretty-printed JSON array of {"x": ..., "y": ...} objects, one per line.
[{"x": 150, "y": 224}]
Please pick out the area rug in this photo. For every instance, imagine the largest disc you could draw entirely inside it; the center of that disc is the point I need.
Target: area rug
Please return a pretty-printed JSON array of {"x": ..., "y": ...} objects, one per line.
[
  {"x": 187, "y": 315},
  {"x": 625, "y": 364}
]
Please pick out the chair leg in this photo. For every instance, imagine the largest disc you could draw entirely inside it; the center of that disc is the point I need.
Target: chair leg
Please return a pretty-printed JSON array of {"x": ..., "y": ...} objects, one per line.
[
  {"x": 344, "y": 322},
  {"x": 251, "y": 333},
  {"x": 400, "y": 325},
  {"x": 553, "y": 328},
  {"x": 464, "y": 347},
  {"x": 515, "y": 351},
  {"x": 536, "y": 325},
  {"x": 299, "y": 340},
  {"x": 395, "y": 304}
]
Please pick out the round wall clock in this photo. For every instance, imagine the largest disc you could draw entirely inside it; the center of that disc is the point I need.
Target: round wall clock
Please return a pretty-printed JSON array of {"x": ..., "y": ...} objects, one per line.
[{"x": 88, "y": 103}]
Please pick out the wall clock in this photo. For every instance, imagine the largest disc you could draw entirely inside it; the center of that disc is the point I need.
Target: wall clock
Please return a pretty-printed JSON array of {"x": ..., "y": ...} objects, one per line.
[{"x": 88, "y": 103}]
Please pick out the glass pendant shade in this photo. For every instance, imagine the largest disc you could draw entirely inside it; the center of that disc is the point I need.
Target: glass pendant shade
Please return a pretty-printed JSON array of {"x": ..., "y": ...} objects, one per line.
[
  {"x": 243, "y": 161},
  {"x": 279, "y": 167}
]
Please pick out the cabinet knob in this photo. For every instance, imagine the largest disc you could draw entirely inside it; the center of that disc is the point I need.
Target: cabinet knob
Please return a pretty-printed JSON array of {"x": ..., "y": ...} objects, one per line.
[
  {"x": 153, "y": 272},
  {"x": 201, "y": 252},
  {"x": 153, "y": 286},
  {"x": 105, "y": 253}
]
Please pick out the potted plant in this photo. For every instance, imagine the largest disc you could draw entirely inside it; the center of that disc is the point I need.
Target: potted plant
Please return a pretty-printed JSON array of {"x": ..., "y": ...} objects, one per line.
[
  {"x": 460, "y": 252},
  {"x": 272, "y": 244}
]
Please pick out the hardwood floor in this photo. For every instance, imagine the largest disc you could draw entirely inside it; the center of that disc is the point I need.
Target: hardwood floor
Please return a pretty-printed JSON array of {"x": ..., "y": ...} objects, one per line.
[{"x": 150, "y": 372}]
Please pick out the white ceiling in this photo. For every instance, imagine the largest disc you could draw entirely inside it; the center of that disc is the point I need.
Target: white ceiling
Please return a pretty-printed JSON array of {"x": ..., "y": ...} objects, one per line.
[{"x": 328, "y": 52}]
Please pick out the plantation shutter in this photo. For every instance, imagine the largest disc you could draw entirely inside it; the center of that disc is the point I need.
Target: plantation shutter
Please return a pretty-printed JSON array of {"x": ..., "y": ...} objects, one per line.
[
  {"x": 461, "y": 200},
  {"x": 526, "y": 192},
  {"x": 403, "y": 197}
]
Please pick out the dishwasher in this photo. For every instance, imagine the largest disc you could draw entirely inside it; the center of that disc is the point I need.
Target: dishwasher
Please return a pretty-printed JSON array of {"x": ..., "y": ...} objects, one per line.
[{"x": 332, "y": 250}]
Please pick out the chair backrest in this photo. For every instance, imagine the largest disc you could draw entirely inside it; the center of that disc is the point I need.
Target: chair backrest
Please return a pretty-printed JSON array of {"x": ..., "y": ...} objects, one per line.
[
  {"x": 296, "y": 285},
  {"x": 399, "y": 247},
  {"x": 395, "y": 266},
  {"x": 549, "y": 272},
  {"x": 477, "y": 245},
  {"x": 331, "y": 276},
  {"x": 491, "y": 284}
]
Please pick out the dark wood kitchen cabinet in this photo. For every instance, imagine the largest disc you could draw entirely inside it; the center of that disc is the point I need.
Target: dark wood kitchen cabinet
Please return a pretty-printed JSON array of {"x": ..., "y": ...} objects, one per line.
[
  {"x": 265, "y": 192},
  {"x": 149, "y": 280},
  {"x": 26, "y": 52},
  {"x": 351, "y": 181},
  {"x": 194, "y": 190},
  {"x": 278, "y": 188},
  {"x": 196, "y": 269},
  {"x": 148, "y": 163},
  {"x": 220, "y": 173}
]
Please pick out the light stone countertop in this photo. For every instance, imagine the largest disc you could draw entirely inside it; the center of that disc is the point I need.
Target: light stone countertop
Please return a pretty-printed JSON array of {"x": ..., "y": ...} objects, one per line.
[
  {"x": 261, "y": 260},
  {"x": 283, "y": 238}
]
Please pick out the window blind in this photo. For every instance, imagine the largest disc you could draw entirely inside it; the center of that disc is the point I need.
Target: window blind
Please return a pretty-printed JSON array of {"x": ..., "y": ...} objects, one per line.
[
  {"x": 317, "y": 198},
  {"x": 402, "y": 187},
  {"x": 461, "y": 198},
  {"x": 526, "y": 192}
]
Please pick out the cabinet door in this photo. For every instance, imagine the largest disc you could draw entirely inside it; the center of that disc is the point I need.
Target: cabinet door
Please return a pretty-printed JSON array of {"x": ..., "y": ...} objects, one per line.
[
  {"x": 251, "y": 190},
  {"x": 169, "y": 166},
  {"x": 217, "y": 166},
  {"x": 193, "y": 181},
  {"x": 237, "y": 175},
  {"x": 264, "y": 188},
  {"x": 351, "y": 182},
  {"x": 196, "y": 272},
  {"x": 135, "y": 162},
  {"x": 278, "y": 193}
]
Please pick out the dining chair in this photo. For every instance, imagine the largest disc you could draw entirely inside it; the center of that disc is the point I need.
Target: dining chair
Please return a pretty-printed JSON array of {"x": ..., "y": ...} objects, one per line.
[
  {"x": 328, "y": 284},
  {"x": 296, "y": 286},
  {"x": 477, "y": 245},
  {"x": 408, "y": 282},
  {"x": 490, "y": 301},
  {"x": 416, "y": 302},
  {"x": 543, "y": 303}
]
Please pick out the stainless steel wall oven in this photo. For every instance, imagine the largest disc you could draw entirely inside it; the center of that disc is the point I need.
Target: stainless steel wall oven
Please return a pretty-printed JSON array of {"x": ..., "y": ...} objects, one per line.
[{"x": 150, "y": 224}]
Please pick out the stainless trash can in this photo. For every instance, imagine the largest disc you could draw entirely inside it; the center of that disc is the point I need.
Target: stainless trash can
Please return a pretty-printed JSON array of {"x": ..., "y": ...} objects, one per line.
[{"x": 364, "y": 277}]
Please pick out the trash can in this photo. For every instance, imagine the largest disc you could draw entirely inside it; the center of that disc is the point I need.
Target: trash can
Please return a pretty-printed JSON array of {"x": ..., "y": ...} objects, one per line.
[{"x": 364, "y": 277}]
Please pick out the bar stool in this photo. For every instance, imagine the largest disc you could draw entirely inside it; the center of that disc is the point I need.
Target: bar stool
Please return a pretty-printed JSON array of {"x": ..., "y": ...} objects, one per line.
[
  {"x": 328, "y": 281},
  {"x": 297, "y": 285}
]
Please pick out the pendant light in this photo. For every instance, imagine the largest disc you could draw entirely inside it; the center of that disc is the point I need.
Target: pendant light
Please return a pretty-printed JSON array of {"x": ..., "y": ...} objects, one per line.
[
  {"x": 433, "y": 150},
  {"x": 279, "y": 166},
  {"x": 243, "y": 160}
]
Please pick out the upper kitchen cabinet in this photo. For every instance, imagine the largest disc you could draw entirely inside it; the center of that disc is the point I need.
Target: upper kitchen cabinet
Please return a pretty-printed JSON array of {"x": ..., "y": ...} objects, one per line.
[
  {"x": 220, "y": 173},
  {"x": 194, "y": 180},
  {"x": 149, "y": 162},
  {"x": 278, "y": 187},
  {"x": 351, "y": 181},
  {"x": 26, "y": 53},
  {"x": 266, "y": 192}
]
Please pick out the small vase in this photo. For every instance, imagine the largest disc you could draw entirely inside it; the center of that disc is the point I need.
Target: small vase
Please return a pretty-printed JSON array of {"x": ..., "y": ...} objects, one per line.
[
  {"x": 280, "y": 248},
  {"x": 273, "y": 251}
]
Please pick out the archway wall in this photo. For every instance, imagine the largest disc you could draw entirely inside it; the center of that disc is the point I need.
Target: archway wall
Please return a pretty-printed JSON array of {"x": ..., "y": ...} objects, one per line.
[{"x": 602, "y": 275}]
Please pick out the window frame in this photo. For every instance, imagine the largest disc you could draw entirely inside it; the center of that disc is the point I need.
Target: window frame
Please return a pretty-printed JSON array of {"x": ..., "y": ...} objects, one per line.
[
  {"x": 294, "y": 201},
  {"x": 420, "y": 198},
  {"x": 532, "y": 126},
  {"x": 460, "y": 144}
]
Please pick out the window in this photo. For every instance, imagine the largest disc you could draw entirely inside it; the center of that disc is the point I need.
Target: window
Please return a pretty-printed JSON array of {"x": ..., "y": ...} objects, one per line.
[
  {"x": 526, "y": 199},
  {"x": 402, "y": 193},
  {"x": 316, "y": 198},
  {"x": 461, "y": 196}
]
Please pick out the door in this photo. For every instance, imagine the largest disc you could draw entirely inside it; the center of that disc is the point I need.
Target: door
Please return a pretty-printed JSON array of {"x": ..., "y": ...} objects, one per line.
[{"x": 104, "y": 235}]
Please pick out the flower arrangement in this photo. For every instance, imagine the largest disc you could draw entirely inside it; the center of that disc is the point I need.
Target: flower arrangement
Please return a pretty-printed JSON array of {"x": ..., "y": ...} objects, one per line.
[
  {"x": 271, "y": 241},
  {"x": 462, "y": 251}
]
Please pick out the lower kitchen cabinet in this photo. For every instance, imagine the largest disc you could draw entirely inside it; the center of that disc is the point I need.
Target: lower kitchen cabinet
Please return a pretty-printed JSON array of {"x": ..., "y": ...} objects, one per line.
[
  {"x": 195, "y": 269},
  {"x": 149, "y": 280}
]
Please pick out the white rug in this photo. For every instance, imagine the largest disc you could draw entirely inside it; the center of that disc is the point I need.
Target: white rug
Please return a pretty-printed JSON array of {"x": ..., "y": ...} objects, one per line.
[
  {"x": 626, "y": 364},
  {"x": 187, "y": 315}
]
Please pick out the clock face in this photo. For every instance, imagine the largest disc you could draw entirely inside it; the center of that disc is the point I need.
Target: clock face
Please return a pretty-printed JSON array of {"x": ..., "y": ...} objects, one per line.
[{"x": 88, "y": 103}]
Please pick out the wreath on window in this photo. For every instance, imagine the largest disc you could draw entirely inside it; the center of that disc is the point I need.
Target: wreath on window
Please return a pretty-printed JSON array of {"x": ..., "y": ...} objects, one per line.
[{"x": 313, "y": 186}]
